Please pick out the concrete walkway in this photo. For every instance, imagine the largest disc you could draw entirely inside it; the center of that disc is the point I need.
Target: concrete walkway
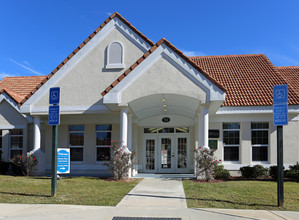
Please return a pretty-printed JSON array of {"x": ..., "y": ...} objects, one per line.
[
  {"x": 156, "y": 193},
  {"x": 151, "y": 198}
]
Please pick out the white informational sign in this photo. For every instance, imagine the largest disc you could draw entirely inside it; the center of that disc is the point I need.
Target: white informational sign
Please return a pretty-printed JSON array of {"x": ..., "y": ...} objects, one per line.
[{"x": 63, "y": 161}]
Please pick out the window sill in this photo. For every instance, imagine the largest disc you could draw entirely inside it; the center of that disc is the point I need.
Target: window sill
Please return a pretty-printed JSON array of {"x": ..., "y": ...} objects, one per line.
[
  {"x": 101, "y": 161},
  {"x": 231, "y": 162},
  {"x": 259, "y": 162},
  {"x": 115, "y": 66}
]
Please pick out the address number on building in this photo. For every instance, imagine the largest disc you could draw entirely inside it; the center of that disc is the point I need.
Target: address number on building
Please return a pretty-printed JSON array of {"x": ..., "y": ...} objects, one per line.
[{"x": 166, "y": 120}]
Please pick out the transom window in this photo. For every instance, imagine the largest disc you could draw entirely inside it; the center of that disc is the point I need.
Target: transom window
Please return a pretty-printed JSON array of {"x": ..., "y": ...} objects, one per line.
[
  {"x": 260, "y": 141},
  {"x": 76, "y": 142},
  {"x": 231, "y": 141},
  {"x": 16, "y": 142},
  {"x": 103, "y": 141},
  {"x": 166, "y": 130}
]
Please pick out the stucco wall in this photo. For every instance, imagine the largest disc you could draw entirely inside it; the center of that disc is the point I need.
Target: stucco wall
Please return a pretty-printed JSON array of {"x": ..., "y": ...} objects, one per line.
[
  {"x": 162, "y": 77},
  {"x": 10, "y": 118},
  {"x": 83, "y": 84},
  {"x": 290, "y": 139},
  {"x": 89, "y": 164}
]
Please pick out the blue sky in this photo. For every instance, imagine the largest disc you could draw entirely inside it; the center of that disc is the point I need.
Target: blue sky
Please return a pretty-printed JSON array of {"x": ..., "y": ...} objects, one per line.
[{"x": 36, "y": 35}]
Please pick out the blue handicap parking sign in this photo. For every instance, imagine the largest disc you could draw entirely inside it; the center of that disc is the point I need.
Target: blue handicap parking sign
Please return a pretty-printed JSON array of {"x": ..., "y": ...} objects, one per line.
[
  {"x": 280, "y": 114},
  {"x": 54, "y": 96},
  {"x": 280, "y": 94},
  {"x": 54, "y": 117}
]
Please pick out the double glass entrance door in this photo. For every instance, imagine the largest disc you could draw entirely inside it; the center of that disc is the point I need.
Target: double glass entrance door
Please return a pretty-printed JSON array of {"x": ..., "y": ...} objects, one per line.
[{"x": 166, "y": 153}]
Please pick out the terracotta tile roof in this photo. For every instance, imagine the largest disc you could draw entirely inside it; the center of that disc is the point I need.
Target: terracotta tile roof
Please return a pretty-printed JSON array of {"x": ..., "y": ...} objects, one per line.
[
  {"x": 151, "y": 50},
  {"x": 19, "y": 87},
  {"x": 115, "y": 14},
  {"x": 291, "y": 76},
  {"x": 249, "y": 79}
]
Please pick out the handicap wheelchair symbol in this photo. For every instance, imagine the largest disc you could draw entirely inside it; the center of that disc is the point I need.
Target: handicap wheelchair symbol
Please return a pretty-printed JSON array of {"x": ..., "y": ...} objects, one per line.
[
  {"x": 280, "y": 94},
  {"x": 54, "y": 95}
]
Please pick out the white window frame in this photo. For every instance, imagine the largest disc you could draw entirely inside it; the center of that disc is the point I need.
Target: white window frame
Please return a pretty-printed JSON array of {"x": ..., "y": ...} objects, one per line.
[
  {"x": 102, "y": 146},
  {"x": 231, "y": 145},
  {"x": 76, "y": 146},
  {"x": 115, "y": 65},
  {"x": 259, "y": 145},
  {"x": 15, "y": 135}
]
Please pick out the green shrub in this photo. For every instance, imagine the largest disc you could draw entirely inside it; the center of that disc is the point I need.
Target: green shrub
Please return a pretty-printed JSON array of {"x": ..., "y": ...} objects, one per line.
[
  {"x": 221, "y": 173},
  {"x": 260, "y": 171},
  {"x": 16, "y": 170},
  {"x": 294, "y": 167},
  {"x": 247, "y": 172},
  {"x": 22, "y": 164},
  {"x": 273, "y": 172},
  {"x": 205, "y": 163},
  {"x": 4, "y": 167},
  {"x": 121, "y": 160},
  {"x": 292, "y": 174},
  {"x": 254, "y": 172}
]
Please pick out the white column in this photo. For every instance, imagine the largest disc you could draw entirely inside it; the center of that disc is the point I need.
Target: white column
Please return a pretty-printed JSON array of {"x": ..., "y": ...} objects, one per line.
[
  {"x": 130, "y": 118},
  {"x": 124, "y": 127},
  {"x": 39, "y": 154},
  {"x": 198, "y": 130},
  {"x": 205, "y": 126},
  {"x": 37, "y": 135}
]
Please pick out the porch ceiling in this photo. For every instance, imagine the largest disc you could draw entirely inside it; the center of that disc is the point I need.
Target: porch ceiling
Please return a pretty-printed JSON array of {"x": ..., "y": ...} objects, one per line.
[{"x": 160, "y": 104}]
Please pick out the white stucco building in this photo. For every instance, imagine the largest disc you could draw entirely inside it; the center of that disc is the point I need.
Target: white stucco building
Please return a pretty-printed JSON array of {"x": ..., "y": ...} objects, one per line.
[{"x": 118, "y": 85}]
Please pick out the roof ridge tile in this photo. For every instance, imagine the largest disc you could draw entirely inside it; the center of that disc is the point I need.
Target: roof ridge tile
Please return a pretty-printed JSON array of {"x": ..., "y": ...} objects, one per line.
[{"x": 230, "y": 55}]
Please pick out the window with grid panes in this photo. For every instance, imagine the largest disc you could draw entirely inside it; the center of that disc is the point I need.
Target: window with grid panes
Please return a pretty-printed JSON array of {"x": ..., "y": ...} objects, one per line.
[
  {"x": 260, "y": 141},
  {"x": 15, "y": 142},
  {"x": 231, "y": 141},
  {"x": 103, "y": 141},
  {"x": 76, "y": 142}
]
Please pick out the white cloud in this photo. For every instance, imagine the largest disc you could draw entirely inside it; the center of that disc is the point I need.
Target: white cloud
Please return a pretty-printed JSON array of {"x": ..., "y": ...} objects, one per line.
[
  {"x": 26, "y": 67},
  {"x": 193, "y": 53}
]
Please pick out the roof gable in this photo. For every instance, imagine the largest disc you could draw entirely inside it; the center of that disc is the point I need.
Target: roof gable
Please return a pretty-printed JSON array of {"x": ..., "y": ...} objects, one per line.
[
  {"x": 115, "y": 15},
  {"x": 163, "y": 49},
  {"x": 148, "y": 53}
]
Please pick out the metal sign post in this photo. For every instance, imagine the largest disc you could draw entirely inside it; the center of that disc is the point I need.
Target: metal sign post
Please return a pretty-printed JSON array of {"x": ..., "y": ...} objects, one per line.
[
  {"x": 54, "y": 160},
  {"x": 53, "y": 120},
  {"x": 280, "y": 118},
  {"x": 280, "y": 166}
]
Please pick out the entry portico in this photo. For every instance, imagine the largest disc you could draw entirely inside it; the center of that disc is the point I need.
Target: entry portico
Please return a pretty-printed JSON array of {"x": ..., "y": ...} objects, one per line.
[{"x": 164, "y": 85}]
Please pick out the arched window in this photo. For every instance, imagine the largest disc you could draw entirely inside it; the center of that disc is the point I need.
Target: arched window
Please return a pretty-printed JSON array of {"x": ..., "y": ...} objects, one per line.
[{"x": 115, "y": 57}]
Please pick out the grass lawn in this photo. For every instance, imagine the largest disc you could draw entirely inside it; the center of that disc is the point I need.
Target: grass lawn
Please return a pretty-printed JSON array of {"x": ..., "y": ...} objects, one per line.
[
  {"x": 75, "y": 191},
  {"x": 240, "y": 195}
]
